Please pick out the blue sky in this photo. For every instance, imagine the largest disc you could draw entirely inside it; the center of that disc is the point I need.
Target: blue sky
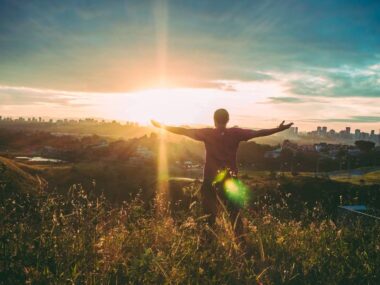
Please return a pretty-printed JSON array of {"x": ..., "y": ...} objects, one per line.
[{"x": 300, "y": 60}]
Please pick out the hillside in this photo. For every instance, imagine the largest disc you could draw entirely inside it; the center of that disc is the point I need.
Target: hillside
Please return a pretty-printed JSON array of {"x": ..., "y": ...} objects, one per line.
[{"x": 14, "y": 178}]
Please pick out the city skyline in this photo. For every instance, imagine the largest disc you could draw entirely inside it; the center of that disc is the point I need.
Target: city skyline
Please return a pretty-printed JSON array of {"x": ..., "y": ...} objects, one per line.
[
  {"x": 312, "y": 63},
  {"x": 317, "y": 130}
]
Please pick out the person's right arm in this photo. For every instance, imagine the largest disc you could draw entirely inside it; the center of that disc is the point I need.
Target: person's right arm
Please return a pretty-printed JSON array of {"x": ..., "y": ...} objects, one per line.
[{"x": 191, "y": 133}]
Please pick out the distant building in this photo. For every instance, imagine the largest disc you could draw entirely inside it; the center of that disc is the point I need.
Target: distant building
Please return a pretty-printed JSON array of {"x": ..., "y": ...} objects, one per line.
[
  {"x": 292, "y": 131},
  {"x": 357, "y": 134},
  {"x": 101, "y": 144},
  {"x": 188, "y": 164},
  {"x": 320, "y": 147},
  {"x": 273, "y": 154},
  {"x": 144, "y": 152}
]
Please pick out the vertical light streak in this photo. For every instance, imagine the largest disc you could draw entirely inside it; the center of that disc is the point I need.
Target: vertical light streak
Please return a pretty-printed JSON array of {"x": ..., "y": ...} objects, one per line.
[
  {"x": 161, "y": 17},
  {"x": 162, "y": 175}
]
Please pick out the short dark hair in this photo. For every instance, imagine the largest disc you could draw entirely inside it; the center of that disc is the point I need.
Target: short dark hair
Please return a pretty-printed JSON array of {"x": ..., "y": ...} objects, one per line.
[{"x": 221, "y": 116}]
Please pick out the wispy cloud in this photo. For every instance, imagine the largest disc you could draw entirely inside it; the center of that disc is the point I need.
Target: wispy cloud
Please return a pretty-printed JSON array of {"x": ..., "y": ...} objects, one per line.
[
  {"x": 356, "y": 119},
  {"x": 19, "y": 95},
  {"x": 286, "y": 100},
  {"x": 346, "y": 81}
]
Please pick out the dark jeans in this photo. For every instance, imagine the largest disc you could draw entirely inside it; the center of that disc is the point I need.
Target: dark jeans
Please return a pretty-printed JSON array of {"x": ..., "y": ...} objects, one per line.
[{"x": 213, "y": 197}]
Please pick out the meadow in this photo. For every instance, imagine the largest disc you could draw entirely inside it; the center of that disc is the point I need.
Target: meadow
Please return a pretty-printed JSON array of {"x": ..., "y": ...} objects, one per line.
[{"x": 293, "y": 236}]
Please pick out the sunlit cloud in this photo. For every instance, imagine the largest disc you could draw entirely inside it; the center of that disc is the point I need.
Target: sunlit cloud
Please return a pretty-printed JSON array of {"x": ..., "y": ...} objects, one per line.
[
  {"x": 251, "y": 104},
  {"x": 20, "y": 95}
]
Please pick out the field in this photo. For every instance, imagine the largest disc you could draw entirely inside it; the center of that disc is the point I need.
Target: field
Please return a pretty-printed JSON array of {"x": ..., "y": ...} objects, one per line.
[
  {"x": 370, "y": 175},
  {"x": 294, "y": 234}
]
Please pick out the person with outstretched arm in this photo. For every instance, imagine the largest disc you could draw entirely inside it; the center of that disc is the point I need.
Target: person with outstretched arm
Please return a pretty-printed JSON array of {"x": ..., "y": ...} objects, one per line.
[{"x": 221, "y": 147}]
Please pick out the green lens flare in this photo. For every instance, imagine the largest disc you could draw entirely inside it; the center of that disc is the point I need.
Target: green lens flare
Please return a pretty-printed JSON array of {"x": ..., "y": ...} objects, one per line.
[
  {"x": 220, "y": 177},
  {"x": 236, "y": 191}
]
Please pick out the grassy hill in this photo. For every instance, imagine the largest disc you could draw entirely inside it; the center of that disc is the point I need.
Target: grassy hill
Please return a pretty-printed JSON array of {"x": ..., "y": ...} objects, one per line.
[
  {"x": 58, "y": 239},
  {"x": 14, "y": 178}
]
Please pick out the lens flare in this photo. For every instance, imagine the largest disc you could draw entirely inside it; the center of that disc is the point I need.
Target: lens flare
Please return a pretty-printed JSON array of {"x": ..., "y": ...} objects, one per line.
[
  {"x": 236, "y": 191},
  {"x": 221, "y": 176}
]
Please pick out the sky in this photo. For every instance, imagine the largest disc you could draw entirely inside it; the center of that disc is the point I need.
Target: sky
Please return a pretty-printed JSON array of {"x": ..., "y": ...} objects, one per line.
[{"x": 310, "y": 62}]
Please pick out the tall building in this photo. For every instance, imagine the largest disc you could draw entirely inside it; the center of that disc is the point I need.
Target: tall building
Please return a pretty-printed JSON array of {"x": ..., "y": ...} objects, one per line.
[
  {"x": 357, "y": 134},
  {"x": 324, "y": 130},
  {"x": 348, "y": 130},
  {"x": 292, "y": 131}
]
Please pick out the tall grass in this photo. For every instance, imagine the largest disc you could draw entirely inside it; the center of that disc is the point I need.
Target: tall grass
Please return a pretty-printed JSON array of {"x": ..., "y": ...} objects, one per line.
[{"x": 74, "y": 239}]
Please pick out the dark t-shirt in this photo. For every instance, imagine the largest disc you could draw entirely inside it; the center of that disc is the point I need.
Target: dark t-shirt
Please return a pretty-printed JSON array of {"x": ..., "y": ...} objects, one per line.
[{"x": 221, "y": 147}]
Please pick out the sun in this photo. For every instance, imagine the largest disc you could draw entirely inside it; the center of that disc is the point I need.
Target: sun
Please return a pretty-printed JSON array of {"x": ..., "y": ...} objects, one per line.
[{"x": 166, "y": 105}]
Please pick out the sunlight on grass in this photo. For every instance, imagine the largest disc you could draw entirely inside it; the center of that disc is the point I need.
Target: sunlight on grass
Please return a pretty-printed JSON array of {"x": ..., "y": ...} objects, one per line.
[{"x": 79, "y": 238}]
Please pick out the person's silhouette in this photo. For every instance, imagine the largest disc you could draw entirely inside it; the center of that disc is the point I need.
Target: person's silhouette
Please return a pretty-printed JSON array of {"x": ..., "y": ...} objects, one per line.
[{"x": 221, "y": 147}]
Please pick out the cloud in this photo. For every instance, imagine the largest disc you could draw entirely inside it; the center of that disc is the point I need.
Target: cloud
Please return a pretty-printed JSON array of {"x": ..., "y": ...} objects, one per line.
[
  {"x": 296, "y": 100},
  {"x": 11, "y": 95},
  {"x": 356, "y": 119},
  {"x": 355, "y": 85},
  {"x": 111, "y": 46},
  {"x": 344, "y": 81},
  {"x": 286, "y": 100}
]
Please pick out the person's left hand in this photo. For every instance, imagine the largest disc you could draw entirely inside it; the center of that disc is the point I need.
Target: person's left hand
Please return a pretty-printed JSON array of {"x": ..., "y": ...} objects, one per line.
[
  {"x": 284, "y": 126},
  {"x": 156, "y": 124}
]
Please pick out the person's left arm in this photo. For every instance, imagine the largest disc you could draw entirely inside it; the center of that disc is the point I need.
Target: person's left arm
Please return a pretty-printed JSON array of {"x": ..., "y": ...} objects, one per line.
[{"x": 250, "y": 134}]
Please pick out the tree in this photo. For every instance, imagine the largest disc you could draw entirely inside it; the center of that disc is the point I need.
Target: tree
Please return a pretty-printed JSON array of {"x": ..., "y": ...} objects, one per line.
[{"x": 365, "y": 146}]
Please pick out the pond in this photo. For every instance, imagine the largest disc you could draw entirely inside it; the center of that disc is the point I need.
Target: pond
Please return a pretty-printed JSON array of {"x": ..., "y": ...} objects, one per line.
[{"x": 39, "y": 159}]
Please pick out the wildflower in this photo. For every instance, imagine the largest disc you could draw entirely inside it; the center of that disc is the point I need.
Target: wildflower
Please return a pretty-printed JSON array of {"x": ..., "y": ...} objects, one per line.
[
  {"x": 280, "y": 240},
  {"x": 253, "y": 228},
  {"x": 266, "y": 219},
  {"x": 332, "y": 224}
]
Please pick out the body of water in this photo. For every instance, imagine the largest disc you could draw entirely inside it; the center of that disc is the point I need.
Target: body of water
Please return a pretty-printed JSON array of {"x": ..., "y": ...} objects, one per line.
[{"x": 39, "y": 159}]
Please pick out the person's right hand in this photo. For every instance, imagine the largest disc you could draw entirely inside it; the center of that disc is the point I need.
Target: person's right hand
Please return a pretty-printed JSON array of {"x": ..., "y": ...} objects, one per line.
[
  {"x": 156, "y": 124},
  {"x": 284, "y": 126}
]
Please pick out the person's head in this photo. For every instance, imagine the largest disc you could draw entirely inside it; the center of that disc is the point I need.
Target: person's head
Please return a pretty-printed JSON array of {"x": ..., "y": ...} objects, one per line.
[{"x": 221, "y": 118}]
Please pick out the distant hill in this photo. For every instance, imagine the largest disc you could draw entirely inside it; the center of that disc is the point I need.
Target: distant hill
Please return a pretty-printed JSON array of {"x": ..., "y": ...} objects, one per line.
[{"x": 13, "y": 178}]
